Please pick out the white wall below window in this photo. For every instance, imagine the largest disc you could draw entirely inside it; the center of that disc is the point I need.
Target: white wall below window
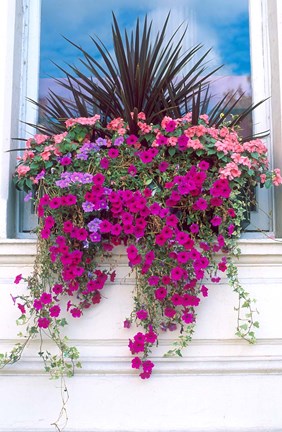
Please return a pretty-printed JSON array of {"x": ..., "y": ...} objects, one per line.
[{"x": 220, "y": 384}]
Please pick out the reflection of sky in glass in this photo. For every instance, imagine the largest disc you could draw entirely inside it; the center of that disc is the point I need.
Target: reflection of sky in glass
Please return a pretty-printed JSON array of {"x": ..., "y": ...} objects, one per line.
[{"x": 218, "y": 24}]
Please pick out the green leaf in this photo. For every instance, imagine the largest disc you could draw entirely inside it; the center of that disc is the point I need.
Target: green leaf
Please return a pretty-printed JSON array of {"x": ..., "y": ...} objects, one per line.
[
  {"x": 172, "y": 151},
  {"x": 148, "y": 181}
]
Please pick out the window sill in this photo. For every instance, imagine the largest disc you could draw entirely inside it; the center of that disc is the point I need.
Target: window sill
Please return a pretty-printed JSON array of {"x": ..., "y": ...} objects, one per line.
[{"x": 257, "y": 251}]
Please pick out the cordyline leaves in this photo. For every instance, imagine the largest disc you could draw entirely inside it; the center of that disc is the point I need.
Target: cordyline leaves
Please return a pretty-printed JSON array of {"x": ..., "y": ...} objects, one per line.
[{"x": 146, "y": 73}]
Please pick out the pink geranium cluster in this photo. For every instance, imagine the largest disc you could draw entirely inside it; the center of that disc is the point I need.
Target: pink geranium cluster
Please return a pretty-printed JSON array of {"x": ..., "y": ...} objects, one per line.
[{"x": 169, "y": 193}]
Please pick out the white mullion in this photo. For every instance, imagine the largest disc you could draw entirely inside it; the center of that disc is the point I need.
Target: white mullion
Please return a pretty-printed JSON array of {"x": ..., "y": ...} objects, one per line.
[{"x": 260, "y": 78}]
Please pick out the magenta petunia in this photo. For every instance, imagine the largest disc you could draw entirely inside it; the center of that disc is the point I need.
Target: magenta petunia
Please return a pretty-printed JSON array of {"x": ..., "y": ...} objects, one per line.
[
  {"x": 204, "y": 165},
  {"x": 132, "y": 252},
  {"x": 65, "y": 161},
  {"x": 169, "y": 312},
  {"x": 45, "y": 298},
  {"x": 105, "y": 226},
  {"x": 131, "y": 140},
  {"x": 142, "y": 314},
  {"x": 55, "y": 203},
  {"x": 170, "y": 126},
  {"x": 136, "y": 363},
  {"x": 146, "y": 156},
  {"x": 45, "y": 233},
  {"x": 204, "y": 290},
  {"x": 216, "y": 221},
  {"x": 162, "y": 140},
  {"x": 18, "y": 278},
  {"x": 160, "y": 293},
  {"x": 57, "y": 289},
  {"x": 98, "y": 179},
  {"x": 43, "y": 322},
  {"x": 132, "y": 170},
  {"x": 49, "y": 222},
  {"x": 183, "y": 257},
  {"x": 126, "y": 324},
  {"x": 104, "y": 163},
  {"x": 200, "y": 204},
  {"x": 182, "y": 237},
  {"x": 55, "y": 311},
  {"x": 231, "y": 229},
  {"x": 116, "y": 229},
  {"x": 37, "y": 304},
  {"x": 76, "y": 313},
  {"x": 231, "y": 212},
  {"x": 153, "y": 280},
  {"x": 21, "y": 308},
  {"x": 188, "y": 318},
  {"x": 113, "y": 153},
  {"x": 176, "y": 299},
  {"x": 67, "y": 226},
  {"x": 163, "y": 166},
  {"x": 182, "y": 142}
]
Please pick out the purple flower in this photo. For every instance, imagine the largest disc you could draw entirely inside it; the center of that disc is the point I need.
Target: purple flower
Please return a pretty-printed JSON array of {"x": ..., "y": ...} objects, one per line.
[
  {"x": 93, "y": 225},
  {"x": 76, "y": 177},
  {"x": 87, "y": 206},
  {"x": 118, "y": 141},
  {"x": 102, "y": 204},
  {"x": 82, "y": 155},
  {"x": 87, "y": 178},
  {"x": 40, "y": 175},
  {"x": 95, "y": 237},
  {"x": 62, "y": 183},
  {"x": 28, "y": 197},
  {"x": 101, "y": 142}
]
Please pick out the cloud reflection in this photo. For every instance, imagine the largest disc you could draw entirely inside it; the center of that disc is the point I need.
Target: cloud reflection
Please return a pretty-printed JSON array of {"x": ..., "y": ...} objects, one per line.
[{"x": 218, "y": 24}]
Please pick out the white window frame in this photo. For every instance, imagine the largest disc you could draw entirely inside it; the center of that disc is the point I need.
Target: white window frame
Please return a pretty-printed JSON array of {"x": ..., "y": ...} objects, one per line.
[
  {"x": 265, "y": 25},
  {"x": 31, "y": 24}
]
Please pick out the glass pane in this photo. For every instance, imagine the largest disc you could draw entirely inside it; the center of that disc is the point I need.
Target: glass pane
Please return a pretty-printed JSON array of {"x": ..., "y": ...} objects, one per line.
[{"x": 218, "y": 24}]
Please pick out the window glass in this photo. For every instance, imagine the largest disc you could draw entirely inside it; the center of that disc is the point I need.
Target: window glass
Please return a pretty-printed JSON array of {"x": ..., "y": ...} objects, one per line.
[{"x": 218, "y": 24}]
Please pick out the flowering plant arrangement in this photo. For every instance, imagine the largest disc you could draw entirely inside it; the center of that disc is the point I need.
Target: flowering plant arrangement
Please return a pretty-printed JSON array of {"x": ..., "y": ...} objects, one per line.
[{"x": 171, "y": 194}]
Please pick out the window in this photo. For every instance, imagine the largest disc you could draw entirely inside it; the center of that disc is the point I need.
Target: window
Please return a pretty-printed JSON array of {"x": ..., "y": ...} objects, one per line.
[{"x": 64, "y": 17}]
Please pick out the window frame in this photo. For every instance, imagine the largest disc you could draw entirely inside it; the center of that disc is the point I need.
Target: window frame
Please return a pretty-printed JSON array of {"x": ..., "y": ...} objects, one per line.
[{"x": 265, "y": 17}]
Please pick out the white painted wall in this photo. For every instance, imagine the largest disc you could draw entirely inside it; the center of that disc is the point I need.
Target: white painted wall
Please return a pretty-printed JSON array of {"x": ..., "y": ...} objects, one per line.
[{"x": 221, "y": 383}]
